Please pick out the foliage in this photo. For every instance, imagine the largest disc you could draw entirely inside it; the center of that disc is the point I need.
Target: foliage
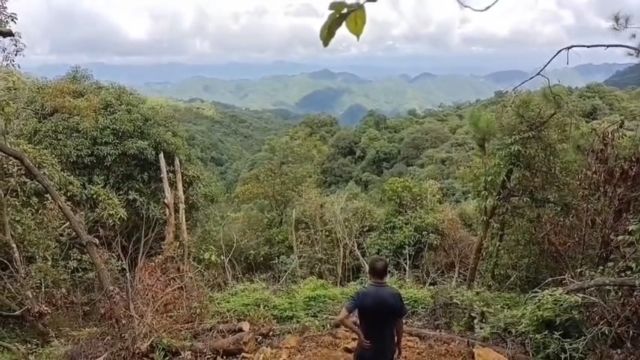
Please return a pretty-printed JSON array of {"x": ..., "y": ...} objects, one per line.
[
  {"x": 549, "y": 324},
  {"x": 353, "y": 15}
]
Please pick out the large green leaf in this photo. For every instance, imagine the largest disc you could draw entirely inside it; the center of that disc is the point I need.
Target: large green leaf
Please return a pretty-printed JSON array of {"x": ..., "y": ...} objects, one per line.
[
  {"x": 356, "y": 21},
  {"x": 331, "y": 26}
]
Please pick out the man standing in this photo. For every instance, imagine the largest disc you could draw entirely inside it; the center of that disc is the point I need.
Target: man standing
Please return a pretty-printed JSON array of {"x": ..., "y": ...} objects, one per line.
[{"x": 381, "y": 311}]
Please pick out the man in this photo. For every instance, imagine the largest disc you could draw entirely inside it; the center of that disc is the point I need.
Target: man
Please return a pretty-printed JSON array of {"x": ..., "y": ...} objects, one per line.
[{"x": 381, "y": 311}]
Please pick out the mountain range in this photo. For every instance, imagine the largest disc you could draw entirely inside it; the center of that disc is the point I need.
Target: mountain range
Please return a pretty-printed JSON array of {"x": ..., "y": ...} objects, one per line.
[
  {"x": 295, "y": 88},
  {"x": 350, "y": 96}
]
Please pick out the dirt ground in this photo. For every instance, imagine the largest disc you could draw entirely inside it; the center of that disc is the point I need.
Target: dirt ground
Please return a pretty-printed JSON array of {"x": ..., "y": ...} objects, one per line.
[{"x": 339, "y": 345}]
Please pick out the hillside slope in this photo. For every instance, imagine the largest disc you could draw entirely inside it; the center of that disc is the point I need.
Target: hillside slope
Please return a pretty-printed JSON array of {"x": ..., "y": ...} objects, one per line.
[
  {"x": 626, "y": 78},
  {"x": 223, "y": 136}
]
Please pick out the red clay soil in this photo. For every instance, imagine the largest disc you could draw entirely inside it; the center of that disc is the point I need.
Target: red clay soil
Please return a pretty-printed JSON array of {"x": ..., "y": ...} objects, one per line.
[{"x": 339, "y": 345}]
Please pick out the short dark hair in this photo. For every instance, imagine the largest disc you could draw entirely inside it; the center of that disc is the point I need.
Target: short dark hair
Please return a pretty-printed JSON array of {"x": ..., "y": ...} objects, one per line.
[{"x": 378, "y": 267}]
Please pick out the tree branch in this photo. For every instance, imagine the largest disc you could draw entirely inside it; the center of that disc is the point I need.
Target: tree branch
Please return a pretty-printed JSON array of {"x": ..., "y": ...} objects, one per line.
[
  {"x": 483, "y": 9},
  {"x": 90, "y": 243},
  {"x": 635, "y": 50},
  {"x": 15, "y": 313},
  {"x": 602, "y": 282}
]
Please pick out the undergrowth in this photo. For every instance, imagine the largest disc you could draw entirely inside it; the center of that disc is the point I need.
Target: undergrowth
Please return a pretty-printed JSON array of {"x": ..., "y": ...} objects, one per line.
[{"x": 547, "y": 324}]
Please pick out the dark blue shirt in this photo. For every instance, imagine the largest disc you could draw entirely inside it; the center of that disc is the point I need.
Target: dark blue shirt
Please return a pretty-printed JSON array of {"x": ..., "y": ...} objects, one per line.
[{"x": 379, "y": 308}]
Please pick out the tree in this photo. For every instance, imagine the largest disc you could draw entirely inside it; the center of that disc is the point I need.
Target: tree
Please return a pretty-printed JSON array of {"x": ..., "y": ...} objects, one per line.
[
  {"x": 410, "y": 223},
  {"x": 11, "y": 45}
]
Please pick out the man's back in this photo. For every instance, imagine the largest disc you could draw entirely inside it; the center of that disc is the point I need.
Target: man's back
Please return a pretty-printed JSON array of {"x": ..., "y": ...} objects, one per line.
[{"x": 379, "y": 307}]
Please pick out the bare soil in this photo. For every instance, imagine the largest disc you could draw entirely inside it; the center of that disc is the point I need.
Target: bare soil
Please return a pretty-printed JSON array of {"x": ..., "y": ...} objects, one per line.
[{"x": 340, "y": 344}]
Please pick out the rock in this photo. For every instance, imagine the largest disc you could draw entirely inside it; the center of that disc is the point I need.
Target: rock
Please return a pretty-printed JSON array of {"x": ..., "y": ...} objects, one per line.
[
  {"x": 349, "y": 348},
  {"x": 290, "y": 342}
]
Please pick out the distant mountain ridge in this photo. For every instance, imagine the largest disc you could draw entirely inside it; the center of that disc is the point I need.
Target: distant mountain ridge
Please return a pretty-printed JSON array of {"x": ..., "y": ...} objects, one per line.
[
  {"x": 301, "y": 88},
  {"x": 348, "y": 95}
]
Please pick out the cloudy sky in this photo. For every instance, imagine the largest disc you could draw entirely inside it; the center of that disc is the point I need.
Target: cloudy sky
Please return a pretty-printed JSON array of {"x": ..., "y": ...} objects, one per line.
[{"x": 514, "y": 34}]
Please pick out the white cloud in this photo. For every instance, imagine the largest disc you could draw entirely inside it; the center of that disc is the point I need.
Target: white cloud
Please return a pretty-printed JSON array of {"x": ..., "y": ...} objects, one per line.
[{"x": 237, "y": 30}]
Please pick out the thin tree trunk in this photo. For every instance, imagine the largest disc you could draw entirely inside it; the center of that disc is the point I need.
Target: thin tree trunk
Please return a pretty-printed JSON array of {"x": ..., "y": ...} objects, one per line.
[
  {"x": 182, "y": 217},
  {"x": 349, "y": 238},
  {"x": 489, "y": 213},
  {"x": 169, "y": 230},
  {"x": 294, "y": 242},
  {"x": 17, "y": 259},
  {"x": 90, "y": 243},
  {"x": 407, "y": 275}
]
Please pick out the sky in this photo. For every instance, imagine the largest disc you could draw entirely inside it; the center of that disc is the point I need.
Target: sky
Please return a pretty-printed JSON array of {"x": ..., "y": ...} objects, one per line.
[{"x": 433, "y": 34}]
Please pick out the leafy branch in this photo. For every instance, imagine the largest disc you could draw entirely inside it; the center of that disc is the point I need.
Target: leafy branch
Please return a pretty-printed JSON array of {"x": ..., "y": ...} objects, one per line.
[{"x": 354, "y": 15}]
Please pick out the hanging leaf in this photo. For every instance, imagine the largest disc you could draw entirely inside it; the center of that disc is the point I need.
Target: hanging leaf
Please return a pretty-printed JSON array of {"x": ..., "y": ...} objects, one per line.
[
  {"x": 356, "y": 21},
  {"x": 338, "y": 6},
  {"x": 331, "y": 26}
]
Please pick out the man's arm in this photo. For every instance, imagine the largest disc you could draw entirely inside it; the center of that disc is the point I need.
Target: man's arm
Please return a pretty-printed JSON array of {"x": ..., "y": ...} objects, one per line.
[
  {"x": 399, "y": 330},
  {"x": 344, "y": 319},
  {"x": 399, "y": 333}
]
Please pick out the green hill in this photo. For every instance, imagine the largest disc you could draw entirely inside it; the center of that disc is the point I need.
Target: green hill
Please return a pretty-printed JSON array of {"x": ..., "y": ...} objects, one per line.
[
  {"x": 223, "y": 136},
  {"x": 626, "y": 78}
]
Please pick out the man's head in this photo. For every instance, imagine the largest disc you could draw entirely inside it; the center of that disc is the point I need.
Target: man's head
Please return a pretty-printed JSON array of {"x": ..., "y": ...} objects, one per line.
[{"x": 378, "y": 268}]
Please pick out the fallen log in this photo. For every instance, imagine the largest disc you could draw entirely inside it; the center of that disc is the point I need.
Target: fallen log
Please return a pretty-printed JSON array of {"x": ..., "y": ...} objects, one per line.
[
  {"x": 227, "y": 329},
  {"x": 428, "y": 334},
  {"x": 235, "y": 345},
  {"x": 233, "y": 328},
  {"x": 602, "y": 282}
]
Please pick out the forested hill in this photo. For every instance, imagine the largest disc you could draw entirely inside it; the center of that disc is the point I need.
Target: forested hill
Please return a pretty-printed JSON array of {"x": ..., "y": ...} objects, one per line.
[
  {"x": 223, "y": 136},
  {"x": 349, "y": 96},
  {"x": 625, "y": 78}
]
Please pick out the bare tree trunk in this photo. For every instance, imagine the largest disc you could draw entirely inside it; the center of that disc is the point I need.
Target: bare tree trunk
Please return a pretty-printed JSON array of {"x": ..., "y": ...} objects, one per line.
[
  {"x": 294, "y": 241},
  {"x": 182, "y": 217},
  {"x": 17, "y": 260},
  {"x": 407, "y": 275},
  {"x": 90, "y": 243},
  {"x": 170, "y": 227},
  {"x": 350, "y": 239}
]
